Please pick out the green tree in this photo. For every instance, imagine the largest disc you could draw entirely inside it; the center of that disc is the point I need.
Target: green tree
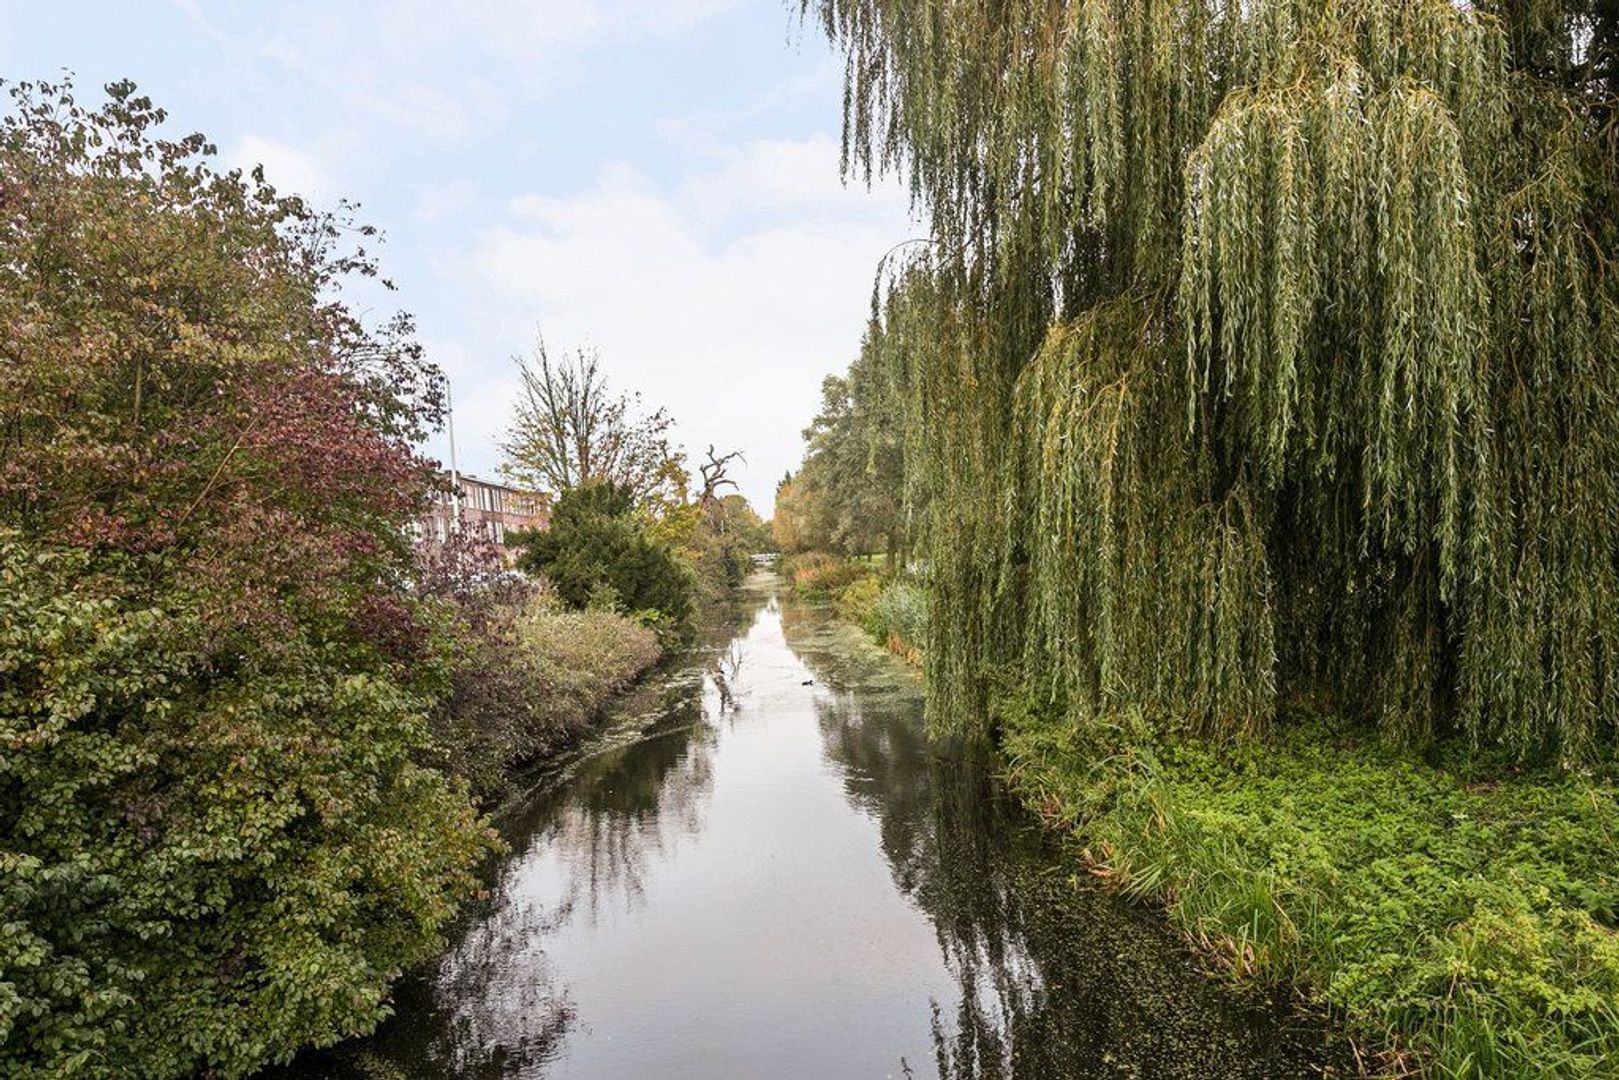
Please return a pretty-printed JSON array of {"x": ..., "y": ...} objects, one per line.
[
  {"x": 723, "y": 534},
  {"x": 1260, "y": 347},
  {"x": 741, "y": 524},
  {"x": 848, "y": 496},
  {"x": 598, "y": 550},
  {"x": 788, "y": 525},
  {"x": 218, "y": 839}
]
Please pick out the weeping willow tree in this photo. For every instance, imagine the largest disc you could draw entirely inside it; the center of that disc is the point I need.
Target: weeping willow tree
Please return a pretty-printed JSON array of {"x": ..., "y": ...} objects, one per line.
[{"x": 1260, "y": 347}]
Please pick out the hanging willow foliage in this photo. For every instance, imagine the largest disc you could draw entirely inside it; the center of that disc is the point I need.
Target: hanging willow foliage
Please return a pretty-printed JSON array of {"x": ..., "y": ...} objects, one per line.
[
  {"x": 1261, "y": 345},
  {"x": 1140, "y": 592}
]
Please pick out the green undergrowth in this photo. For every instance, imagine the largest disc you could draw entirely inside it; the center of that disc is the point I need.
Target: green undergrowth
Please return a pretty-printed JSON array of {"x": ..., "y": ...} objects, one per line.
[
  {"x": 1462, "y": 923},
  {"x": 889, "y": 605}
]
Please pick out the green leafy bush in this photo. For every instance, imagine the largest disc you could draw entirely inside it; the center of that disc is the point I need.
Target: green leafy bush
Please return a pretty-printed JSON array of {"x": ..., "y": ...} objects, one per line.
[
  {"x": 596, "y": 547},
  {"x": 1466, "y": 924},
  {"x": 219, "y": 841},
  {"x": 207, "y": 861}
]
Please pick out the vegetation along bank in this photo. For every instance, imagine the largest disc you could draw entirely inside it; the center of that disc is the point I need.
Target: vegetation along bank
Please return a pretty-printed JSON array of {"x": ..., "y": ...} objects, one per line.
[
  {"x": 890, "y": 607},
  {"x": 248, "y": 727},
  {"x": 1248, "y": 419}
]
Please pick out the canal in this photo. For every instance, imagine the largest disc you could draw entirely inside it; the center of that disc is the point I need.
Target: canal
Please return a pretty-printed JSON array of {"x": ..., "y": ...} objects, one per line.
[{"x": 763, "y": 868}]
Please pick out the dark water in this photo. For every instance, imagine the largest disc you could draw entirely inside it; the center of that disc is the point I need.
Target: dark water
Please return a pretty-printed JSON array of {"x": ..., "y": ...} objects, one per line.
[{"x": 752, "y": 876}]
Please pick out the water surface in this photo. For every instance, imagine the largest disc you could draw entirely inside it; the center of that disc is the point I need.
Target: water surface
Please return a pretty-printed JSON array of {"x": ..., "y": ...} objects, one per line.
[{"x": 763, "y": 868}]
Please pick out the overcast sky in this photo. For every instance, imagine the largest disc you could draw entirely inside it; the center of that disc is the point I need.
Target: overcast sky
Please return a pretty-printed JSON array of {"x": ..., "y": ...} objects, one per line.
[{"x": 654, "y": 178}]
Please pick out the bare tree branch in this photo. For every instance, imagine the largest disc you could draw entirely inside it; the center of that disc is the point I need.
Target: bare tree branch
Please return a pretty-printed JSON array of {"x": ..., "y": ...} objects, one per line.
[
  {"x": 714, "y": 475},
  {"x": 569, "y": 428}
]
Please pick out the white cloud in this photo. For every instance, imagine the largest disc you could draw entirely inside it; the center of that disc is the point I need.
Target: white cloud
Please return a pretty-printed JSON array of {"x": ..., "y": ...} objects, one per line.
[
  {"x": 447, "y": 70},
  {"x": 723, "y": 275},
  {"x": 698, "y": 132},
  {"x": 726, "y": 298},
  {"x": 436, "y": 202},
  {"x": 437, "y": 114},
  {"x": 291, "y": 170},
  {"x": 799, "y": 177},
  {"x": 537, "y": 24}
]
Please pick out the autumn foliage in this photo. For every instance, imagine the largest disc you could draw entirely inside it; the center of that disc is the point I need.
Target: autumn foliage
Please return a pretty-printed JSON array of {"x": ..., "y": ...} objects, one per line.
[{"x": 220, "y": 834}]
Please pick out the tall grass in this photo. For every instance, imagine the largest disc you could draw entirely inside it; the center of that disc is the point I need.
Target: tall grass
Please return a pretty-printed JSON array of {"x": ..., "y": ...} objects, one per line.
[
  {"x": 533, "y": 676},
  {"x": 1464, "y": 930},
  {"x": 817, "y": 575}
]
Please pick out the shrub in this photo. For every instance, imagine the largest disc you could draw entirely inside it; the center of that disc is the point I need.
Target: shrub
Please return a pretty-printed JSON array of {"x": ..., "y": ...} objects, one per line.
[
  {"x": 893, "y": 610},
  {"x": 1472, "y": 923},
  {"x": 583, "y": 658},
  {"x": 716, "y": 538},
  {"x": 856, "y": 602},
  {"x": 530, "y": 674},
  {"x": 898, "y": 619},
  {"x": 595, "y": 543},
  {"x": 819, "y": 576},
  {"x": 218, "y": 842}
]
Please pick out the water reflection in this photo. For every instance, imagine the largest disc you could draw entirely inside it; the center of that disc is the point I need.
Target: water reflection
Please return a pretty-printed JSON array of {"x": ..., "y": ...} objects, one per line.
[
  {"x": 766, "y": 869},
  {"x": 1053, "y": 977}
]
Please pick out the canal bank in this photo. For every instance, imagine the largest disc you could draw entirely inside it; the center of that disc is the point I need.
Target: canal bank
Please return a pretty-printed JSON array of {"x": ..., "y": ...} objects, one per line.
[{"x": 762, "y": 867}]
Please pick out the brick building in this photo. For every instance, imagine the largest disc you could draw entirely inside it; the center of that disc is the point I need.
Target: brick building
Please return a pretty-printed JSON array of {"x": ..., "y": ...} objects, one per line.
[{"x": 487, "y": 508}]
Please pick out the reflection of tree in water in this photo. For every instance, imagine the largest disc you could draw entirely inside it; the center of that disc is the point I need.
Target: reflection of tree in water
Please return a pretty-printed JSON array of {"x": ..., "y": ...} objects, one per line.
[
  {"x": 1054, "y": 978},
  {"x": 496, "y": 1006},
  {"x": 625, "y": 807},
  {"x": 722, "y": 672}
]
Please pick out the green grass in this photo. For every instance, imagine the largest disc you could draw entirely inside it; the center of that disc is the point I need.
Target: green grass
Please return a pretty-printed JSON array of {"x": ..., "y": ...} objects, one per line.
[{"x": 1462, "y": 925}]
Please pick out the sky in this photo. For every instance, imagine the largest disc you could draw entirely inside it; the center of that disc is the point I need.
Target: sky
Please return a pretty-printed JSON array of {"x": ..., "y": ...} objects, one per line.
[{"x": 654, "y": 179}]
